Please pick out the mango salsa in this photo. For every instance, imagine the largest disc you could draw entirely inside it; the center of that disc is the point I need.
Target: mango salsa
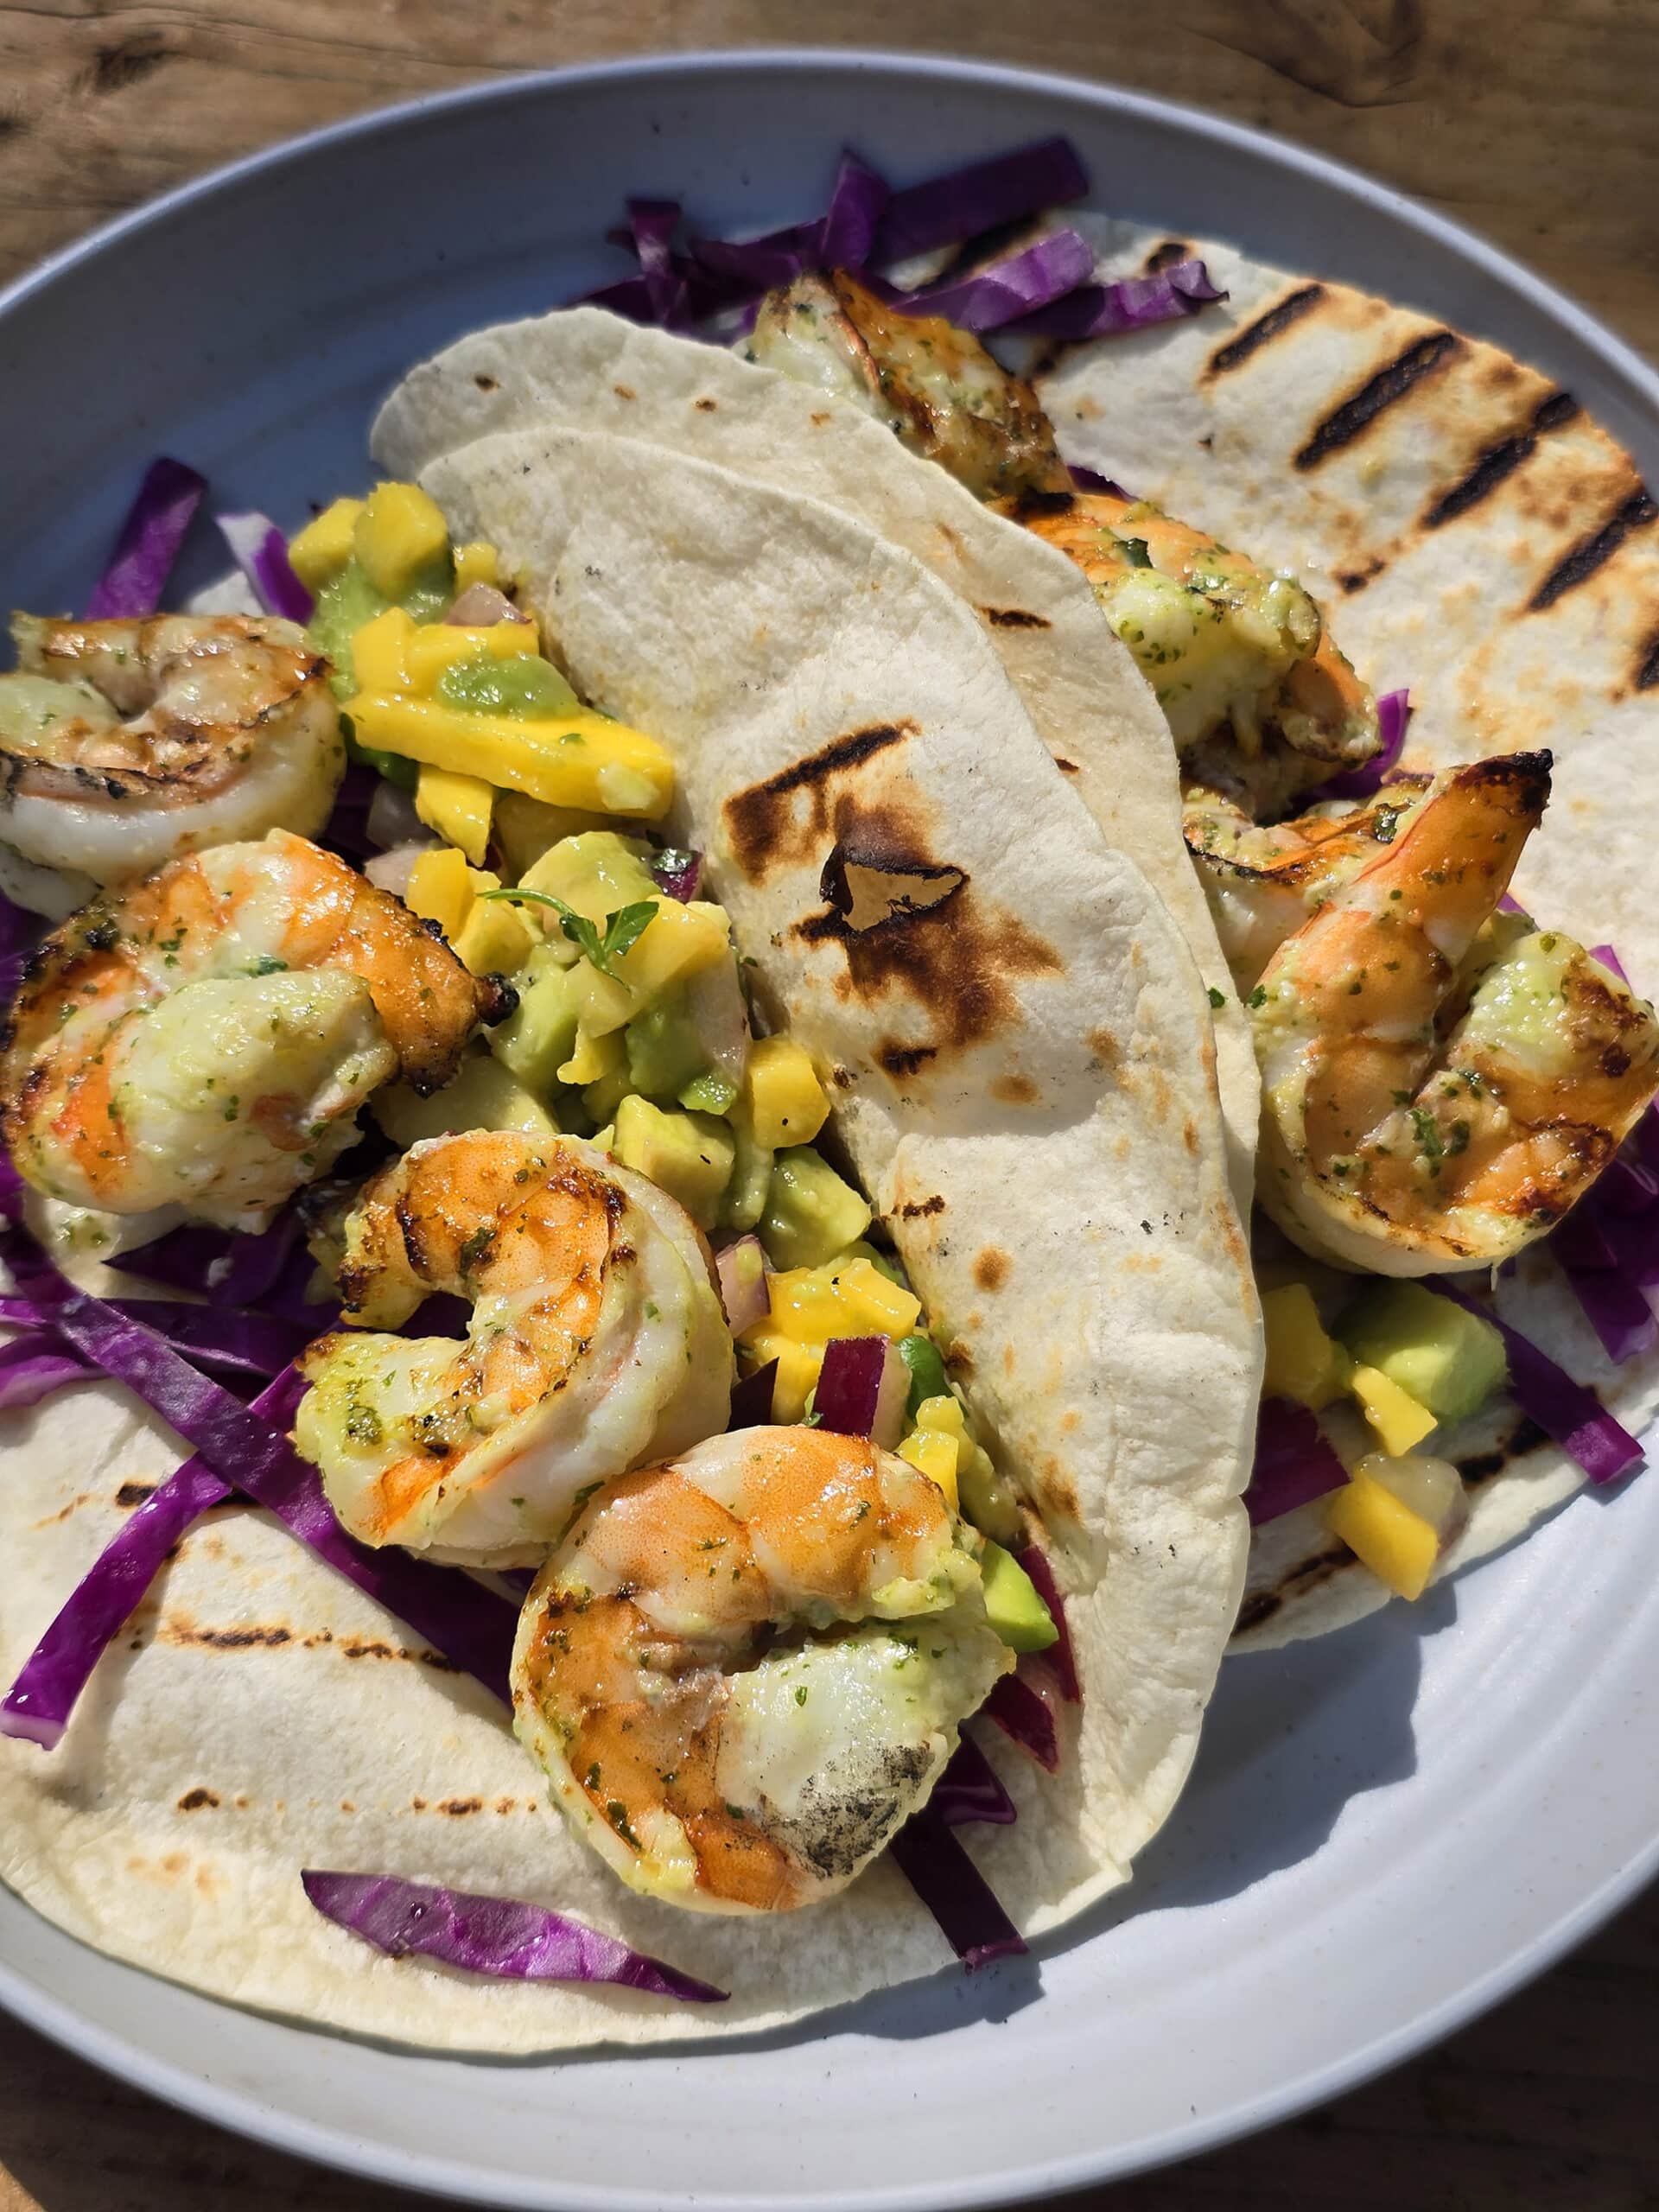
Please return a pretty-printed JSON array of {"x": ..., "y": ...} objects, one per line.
[
  {"x": 441, "y": 889},
  {"x": 380, "y": 651},
  {"x": 476, "y": 563},
  {"x": 798, "y": 1370},
  {"x": 458, "y": 808},
  {"x": 786, "y": 1102},
  {"x": 576, "y": 759},
  {"x": 321, "y": 549},
  {"x": 398, "y": 531},
  {"x": 438, "y": 645},
  {"x": 936, "y": 1454},
  {"x": 1304, "y": 1363},
  {"x": 1397, "y": 1419},
  {"x": 1398, "y": 1545},
  {"x": 494, "y": 939}
]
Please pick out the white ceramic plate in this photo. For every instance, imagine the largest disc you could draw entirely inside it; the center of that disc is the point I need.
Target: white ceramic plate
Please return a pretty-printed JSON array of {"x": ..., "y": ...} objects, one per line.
[{"x": 1385, "y": 1831}]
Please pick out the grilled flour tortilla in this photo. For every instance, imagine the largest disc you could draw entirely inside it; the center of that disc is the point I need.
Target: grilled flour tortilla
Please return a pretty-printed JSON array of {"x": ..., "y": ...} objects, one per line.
[
  {"x": 1018, "y": 1036},
  {"x": 582, "y": 369},
  {"x": 1473, "y": 534}
]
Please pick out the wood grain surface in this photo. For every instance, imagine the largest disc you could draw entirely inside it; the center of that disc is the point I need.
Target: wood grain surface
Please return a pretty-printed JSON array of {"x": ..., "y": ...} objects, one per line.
[{"x": 1532, "y": 120}]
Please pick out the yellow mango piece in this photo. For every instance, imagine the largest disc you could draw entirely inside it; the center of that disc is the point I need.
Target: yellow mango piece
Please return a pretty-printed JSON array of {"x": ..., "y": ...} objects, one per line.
[
  {"x": 594, "y": 1058},
  {"x": 576, "y": 759},
  {"x": 477, "y": 562},
  {"x": 1395, "y": 1416},
  {"x": 786, "y": 1102},
  {"x": 324, "y": 546},
  {"x": 804, "y": 1307},
  {"x": 441, "y": 890},
  {"x": 797, "y": 1370},
  {"x": 380, "y": 651},
  {"x": 1398, "y": 1545},
  {"x": 399, "y": 530},
  {"x": 458, "y": 808},
  {"x": 677, "y": 941},
  {"x": 494, "y": 938},
  {"x": 944, "y": 1414},
  {"x": 1304, "y": 1362},
  {"x": 935, "y": 1454},
  {"x": 602, "y": 1004},
  {"x": 872, "y": 1306},
  {"x": 438, "y": 645}
]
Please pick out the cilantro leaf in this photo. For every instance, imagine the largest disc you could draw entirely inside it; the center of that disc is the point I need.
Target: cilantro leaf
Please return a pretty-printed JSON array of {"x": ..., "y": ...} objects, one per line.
[{"x": 623, "y": 929}]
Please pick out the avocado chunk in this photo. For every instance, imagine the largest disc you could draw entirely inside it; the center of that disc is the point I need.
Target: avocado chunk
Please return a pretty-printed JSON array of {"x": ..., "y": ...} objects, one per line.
[
  {"x": 1011, "y": 1604},
  {"x": 687, "y": 1155},
  {"x": 810, "y": 1213},
  {"x": 596, "y": 873},
  {"x": 347, "y": 602},
  {"x": 665, "y": 1054},
  {"x": 484, "y": 1095},
  {"x": 540, "y": 1035},
  {"x": 746, "y": 1194},
  {"x": 1451, "y": 1361}
]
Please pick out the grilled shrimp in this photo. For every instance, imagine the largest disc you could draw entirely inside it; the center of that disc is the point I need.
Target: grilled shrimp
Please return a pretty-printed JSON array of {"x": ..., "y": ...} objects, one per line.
[
  {"x": 597, "y": 1340},
  {"x": 1440, "y": 1083},
  {"x": 935, "y": 387},
  {"x": 125, "y": 744},
  {"x": 205, "y": 1038},
  {"x": 1263, "y": 883},
  {"x": 1260, "y": 702},
  {"x": 743, "y": 1670}
]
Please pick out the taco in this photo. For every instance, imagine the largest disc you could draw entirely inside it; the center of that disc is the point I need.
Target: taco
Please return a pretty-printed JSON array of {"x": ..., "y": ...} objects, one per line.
[{"x": 992, "y": 1308}]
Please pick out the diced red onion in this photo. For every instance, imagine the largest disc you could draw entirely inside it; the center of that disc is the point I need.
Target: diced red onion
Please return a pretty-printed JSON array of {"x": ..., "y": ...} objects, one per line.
[
  {"x": 960, "y": 204},
  {"x": 678, "y": 870},
  {"x": 1060, "y": 1658},
  {"x": 1090, "y": 479},
  {"x": 863, "y": 1389},
  {"x": 391, "y": 819},
  {"x": 1393, "y": 719},
  {"x": 1128, "y": 303},
  {"x": 970, "y": 1789},
  {"x": 741, "y": 1269},
  {"x": 961, "y": 1900},
  {"x": 1019, "y": 1707},
  {"x": 480, "y": 606},
  {"x": 391, "y": 871},
  {"x": 503, "y": 1938},
  {"x": 1294, "y": 1463},
  {"x": 752, "y": 1399},
  {"x": 260, "y": 550},
  {"x": 1567, "y": 1411},
  {"x": 1008, "y": 289},
  {"x": 149, "y": 542}
]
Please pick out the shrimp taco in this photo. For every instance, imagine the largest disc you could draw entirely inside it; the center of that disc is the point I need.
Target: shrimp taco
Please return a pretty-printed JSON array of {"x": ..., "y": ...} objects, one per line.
[
  {"x": 731, "y": 1208},
  {"x": 1456, "y": 1098}
]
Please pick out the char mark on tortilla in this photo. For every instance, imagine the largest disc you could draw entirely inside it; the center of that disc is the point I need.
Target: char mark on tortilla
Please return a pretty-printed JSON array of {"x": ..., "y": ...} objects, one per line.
[
  {"x": 1581, "y": 560},
  {"x": 901, "y": 1060},
  {"x": 920, "y": 1208},
  {"x": 1647, "y": 674},
  {"x": 1264, "y": 329},
  {"x": 1166, "y": 256},
  {"x": 760, "y": 821},
  {"x": 1501, "y": 461},
  {"x": 1015, "y": 617},
  {"x": 1425, "y": 357}
]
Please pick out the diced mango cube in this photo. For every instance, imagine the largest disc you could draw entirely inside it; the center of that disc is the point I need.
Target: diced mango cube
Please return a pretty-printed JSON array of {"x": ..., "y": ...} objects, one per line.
[
  {"x": 944, "y": 1414},
  {"x": 1399, "y": 1421},
  {"x": 804, "y": 1307},
  {"x": 495, "y": 940},
  {"x": 873, "y": 1305},
  {"x": 380, "y": 651},
  {"x": 594, "y": 1058},
  {"x": 438, "y": 645},
  {"x": 458, "y": 808},
  {"x": 602, "y": 1004},
  {"x": 935, "y": 1453},
  {"x": 324, "y": 546},
  {"x": 1398, "y": 1545},
  {"x": 399, "y": 530},
  {"x": 477, "y": 562},
  {"x": 441, "y": 889},
  {"x": 786, "y": 1102},
  {"x": 676, "y": 943},
  {"x": 1304, "y": 1362},
  {"x": 797, "y": 1370},
  {"x": 574, "y": 758}
]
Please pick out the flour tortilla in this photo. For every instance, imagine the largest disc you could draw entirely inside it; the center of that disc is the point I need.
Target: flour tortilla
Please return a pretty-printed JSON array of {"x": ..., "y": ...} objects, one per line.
[
  {"x": 1069, "y": 1224},
  {"x": 583, "y": 369},
  {"x": 1474, "y": 535}
]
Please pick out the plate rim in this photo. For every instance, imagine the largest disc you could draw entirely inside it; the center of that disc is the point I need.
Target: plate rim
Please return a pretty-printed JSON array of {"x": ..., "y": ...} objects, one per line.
[{"x": 246, "y": 2114}]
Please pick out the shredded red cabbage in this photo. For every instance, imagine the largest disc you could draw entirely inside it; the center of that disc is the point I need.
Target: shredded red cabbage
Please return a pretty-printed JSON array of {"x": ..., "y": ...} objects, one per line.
[
  {"x": 1609, "y": 959},
  {"x": 501, "y": 1937},
  {"x": 982, "y": 196},
  {"x": 149, "y": 542},
  {"x": 230, "y": 1342},
  {"x": 1126, "y": 303},
  {"x": 260, "y": 550},
  {"x": 272, "y": 1272},
  {"x": 1567, "y": 1411},
  {"x": 1006, "y": 289},
  {"x": 752, "y": 1399},
  {"x": 846, "y": 234},
  {"x": 34, "y": 1364},
  {"x": 678, "y": 870},
  {"x": 1294, "y": 1463},
  {"x": 1393, "y": 719},
  {"x": 1060, "y": 1658},
  {"x": 1020, "y": 1709},
  {"x": 948, "y": 1882},
  {"x": 1613, "y": 1305},
  {"x": 970, "y": 1789}
]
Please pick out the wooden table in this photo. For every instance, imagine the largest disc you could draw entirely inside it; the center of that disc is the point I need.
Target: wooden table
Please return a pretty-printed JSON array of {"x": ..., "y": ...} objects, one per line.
[{"x": 1535, "y": 121}]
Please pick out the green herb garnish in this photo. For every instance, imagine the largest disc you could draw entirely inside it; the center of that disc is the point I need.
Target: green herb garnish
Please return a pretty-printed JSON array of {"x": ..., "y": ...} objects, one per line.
[{"x": 623, "y": 929}]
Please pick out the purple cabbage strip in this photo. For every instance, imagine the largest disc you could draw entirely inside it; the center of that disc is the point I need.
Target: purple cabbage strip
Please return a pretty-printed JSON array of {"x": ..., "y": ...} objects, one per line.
[
  {"x": 501, "y": 1937},
  {"x": 1294, "y": 1463},
  {"x": 1567, "y": 1411},
  {"x": 260, "y": 550},
  {"x": 651, "y": 225},
  {"x": 943, "y": 210},
  {"x": 961, "y": 1900},
  {"x": 1061, "y": 1658},
  {"x": 1005, "y": 291},
  {"x": 970, "y": 1788},
  {"x": 1025, "y": 1717},
  {"x": 1613, "y": 1305},
  {"x": 270, "y": 1271},
  {"x": 1609, "y": 959},
  {"x": 149, "y": 542},
  {"x": 1393, "y": 719},
  {"x": 235, "y": 1343},
  {"x": 858, "y": 201},
  {"x": 1128, "y": 303},
  {"x": 33, "y": 1365}
]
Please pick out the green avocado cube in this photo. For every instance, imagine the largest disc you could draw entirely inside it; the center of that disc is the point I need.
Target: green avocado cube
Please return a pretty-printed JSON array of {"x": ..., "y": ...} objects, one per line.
[
  {"x": 746, "y": 1194},
  {"x": 484, "y": 1095},
  {"x": 811, "y": 1214},
  {"x": 665, "y": 1054},
  {"x": 1450, "y": 1360},
  {"x": 540, "y": 1035},
  {"x": 687, "y": 1155},
  {"x": 1011, "y": 1604}
]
